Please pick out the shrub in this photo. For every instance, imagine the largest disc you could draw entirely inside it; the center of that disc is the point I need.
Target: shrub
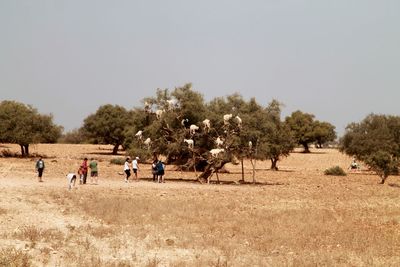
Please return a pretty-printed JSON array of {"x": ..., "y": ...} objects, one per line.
[
  {"x": 336, "y": 171},
  {"x": 118, "y": 161},
  {"x": 13, "y": 257}
]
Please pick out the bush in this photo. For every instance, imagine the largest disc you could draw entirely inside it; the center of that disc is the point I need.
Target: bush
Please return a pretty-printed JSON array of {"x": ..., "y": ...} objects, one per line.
[
  {"x": 336, "y": 171},
  {"x": 143, "y": 154},
  {"x": 13, "y": 257},
  {"x": 118, "y": 161}
]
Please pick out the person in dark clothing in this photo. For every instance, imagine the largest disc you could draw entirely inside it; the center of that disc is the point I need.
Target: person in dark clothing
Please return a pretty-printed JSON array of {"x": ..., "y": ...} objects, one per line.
[{"x": 40, "y": 168}]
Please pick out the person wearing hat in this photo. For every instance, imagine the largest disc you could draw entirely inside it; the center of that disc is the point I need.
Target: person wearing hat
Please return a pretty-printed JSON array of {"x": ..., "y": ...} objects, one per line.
[{"x": 135, "y": 167}]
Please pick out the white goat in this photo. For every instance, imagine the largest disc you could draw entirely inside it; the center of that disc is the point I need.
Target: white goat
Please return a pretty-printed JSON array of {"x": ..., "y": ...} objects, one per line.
[
  {"x": 159, "y": 113},
  {"x": 238, "y": 120},
  {"x": 215, "y": 151},
  {"x": 227, "y": 117},
  {"x": 250, "y": 144},
  {"x": 193, "y": 128},
  {"x": 139, "y": 134},
  {"x": 147, "y": 142},
  {"x": 207, "y": 124},
  {"x": 219, "y": 142},
  {"x": 172, "y": 103},
  {"x": 183, "y": 122},
  {"x": 189, "y": 142}
]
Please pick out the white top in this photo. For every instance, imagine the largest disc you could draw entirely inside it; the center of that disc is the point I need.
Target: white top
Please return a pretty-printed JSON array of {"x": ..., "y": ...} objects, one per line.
[
  {"x": 70, "y": 176},
  {"x": 134, "y": 164},
  {"x": 126, "y": 166}
]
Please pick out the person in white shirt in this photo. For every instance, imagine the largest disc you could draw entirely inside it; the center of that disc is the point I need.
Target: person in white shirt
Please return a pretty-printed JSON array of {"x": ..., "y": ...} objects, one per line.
[
  {"x": 127, "y": 169},
  {"x": 71, "y": 177},
  {"x": 135, "y": 167}
]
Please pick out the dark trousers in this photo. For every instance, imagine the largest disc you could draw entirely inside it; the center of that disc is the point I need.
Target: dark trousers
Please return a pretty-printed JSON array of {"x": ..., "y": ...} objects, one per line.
[
  {"x": 84, "y": 176},
  {"x": 40, "y": 172}
]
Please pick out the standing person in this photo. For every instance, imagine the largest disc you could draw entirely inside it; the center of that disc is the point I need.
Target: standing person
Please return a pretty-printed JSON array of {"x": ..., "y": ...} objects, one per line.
[
  {"x": 154, "y": 169},
  {"x": 93, "y": 171},
  {"x": 160, "y": 171},
  {"x": 84, "y": 170},
  {"x": 40, "y": 168},
  {"x": 80, "y": 173},
  {"x": 135, "y": 168},
  {"x": 127, "y": 169}
]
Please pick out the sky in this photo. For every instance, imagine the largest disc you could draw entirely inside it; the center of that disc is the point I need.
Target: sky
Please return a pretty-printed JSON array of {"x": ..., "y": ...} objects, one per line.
[{"x": 338, "y": 60}]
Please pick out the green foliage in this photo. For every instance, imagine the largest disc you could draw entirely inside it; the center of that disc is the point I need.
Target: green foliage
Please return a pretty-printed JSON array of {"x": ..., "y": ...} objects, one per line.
[
  {"x": 22, "y": 124},
  {"x": 376, "y": 141},
  {"x": 335, "y": 171},
  {"x": 107, "y": 125},
  {"x": 306, "y": 130},
  {"x": 76, "y": 136}
]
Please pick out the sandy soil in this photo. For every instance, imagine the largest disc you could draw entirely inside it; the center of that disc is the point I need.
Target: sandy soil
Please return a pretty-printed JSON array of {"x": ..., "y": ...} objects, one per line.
[{"x": 293, "y": 217}]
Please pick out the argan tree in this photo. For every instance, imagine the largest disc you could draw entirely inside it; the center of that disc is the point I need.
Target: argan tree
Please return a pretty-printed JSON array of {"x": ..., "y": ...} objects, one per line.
[
  {"x": 302, "y": 127},
  {"x": 324, "y": 132},
  {"x": 375, "y": 141},
  {"x": 22, "y": 124},
  {"x": 107, "y": 126}
]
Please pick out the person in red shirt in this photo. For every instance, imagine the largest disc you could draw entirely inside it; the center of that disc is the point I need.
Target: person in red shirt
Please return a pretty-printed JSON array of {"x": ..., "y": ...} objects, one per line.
[{"x": 84, "y": 170}]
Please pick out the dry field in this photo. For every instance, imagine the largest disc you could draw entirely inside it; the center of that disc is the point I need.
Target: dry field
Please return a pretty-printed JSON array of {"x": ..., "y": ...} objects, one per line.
[{"x": 294, "y": 217}]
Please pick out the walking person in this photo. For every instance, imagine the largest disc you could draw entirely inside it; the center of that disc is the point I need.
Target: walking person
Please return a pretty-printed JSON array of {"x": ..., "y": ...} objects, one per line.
[
  {"x": 93, "y": 171},
  {"x": 84, "y": 170},
  {"x": 135, "y": 168},
  {"x": 127, "y": 169},
  {"x": 40, "y": 168}
]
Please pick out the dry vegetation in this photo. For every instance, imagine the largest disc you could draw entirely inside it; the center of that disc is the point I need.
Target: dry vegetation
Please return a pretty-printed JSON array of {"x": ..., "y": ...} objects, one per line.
[{"x": 294, "y": 217}]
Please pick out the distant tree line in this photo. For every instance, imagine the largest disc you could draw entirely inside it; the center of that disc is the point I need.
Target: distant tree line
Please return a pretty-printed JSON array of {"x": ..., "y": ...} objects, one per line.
[{"x": 204, "y": 136}]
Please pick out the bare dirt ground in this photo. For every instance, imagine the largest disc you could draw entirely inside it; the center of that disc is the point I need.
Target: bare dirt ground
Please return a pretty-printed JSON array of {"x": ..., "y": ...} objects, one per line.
[{"x": 294, "y": 217}]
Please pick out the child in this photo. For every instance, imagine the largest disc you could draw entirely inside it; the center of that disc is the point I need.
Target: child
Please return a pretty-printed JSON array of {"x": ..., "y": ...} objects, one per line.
[
  {"x": 93, "y": 171},
  {"x": 135, "y": 167},
  {"x": 71, "y": 177},
  {"x": 80, "y": 173}
]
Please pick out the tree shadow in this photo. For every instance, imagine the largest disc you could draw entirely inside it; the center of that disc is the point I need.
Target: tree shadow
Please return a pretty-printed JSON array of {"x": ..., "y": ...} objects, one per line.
[
  {"x": 394, "y": 185},
  {"x": 215, "y": 182},
  {"x": 104, "y": 154}
]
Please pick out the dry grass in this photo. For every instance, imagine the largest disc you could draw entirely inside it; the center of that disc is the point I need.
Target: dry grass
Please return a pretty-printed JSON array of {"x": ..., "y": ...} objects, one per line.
[
  {"x": 297, "y": 217},
  {"x": 12, "y": 257}
]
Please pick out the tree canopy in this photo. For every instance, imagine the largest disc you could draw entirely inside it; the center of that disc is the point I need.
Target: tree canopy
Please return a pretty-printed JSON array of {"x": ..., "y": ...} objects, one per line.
[
  {"x": 376, "y": 141},
  {"x": 22, "y": 124},
  {"x": 107, "y": 125}
]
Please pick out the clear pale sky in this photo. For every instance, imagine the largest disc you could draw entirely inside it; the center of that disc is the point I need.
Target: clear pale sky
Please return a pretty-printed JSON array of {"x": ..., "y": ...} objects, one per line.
[{"x": 339, "y": 60}]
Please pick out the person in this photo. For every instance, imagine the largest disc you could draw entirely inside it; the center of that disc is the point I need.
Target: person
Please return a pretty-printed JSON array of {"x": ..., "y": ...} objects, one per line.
[
  {"x": 84, "y": 170},
  {"x": 71, "y": 177},
  {"x": 354, "y": 165},
  {"x": 160, "y": 171},
  {"x": 80, "y": 173},
  {"x": 127, "y": 169},
  {"x": 40, "y": 168},
  {"x": 135, "y": 168},
  {"x": 154, "y": 169},
  {"x": 93, "y": 171}
]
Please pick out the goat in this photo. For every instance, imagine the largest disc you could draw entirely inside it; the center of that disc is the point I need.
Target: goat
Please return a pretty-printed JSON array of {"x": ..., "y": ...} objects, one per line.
[
  {"x": 189, "y": 142},
  {"x": 193, "y": 128},
  {"x": 215, "y": 151},
  {"x": 206, "y": 124},
  {"x": 250, "y": 145},
  {"x": 183, "y": 122},
  {"x": 227, "y": 117},
  {"x": 238, "y": 120},
  {"x": 219, "y": 142},
  {"x": 147, "y": 142},
  {"x": 139, "y": 134},
  {"x": 172, "y": 103},
  {"x": 159, "y": 113}
]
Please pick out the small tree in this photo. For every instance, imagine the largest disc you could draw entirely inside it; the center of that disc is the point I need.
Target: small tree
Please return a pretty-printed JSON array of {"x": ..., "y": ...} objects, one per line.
[
  {"x": 376, "y": 141},
  {"x": 107, "y": 126},
  {"x": 324, "y": 132},
  {"x": 302, "y": 126},
  {"x": 22, "y": 124}
]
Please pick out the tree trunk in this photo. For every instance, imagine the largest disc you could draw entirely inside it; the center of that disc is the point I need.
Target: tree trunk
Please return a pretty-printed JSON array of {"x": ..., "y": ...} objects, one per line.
[
  {"x": 383, "y": 178},
  {"x": 274, "y": 162},
  {"x": 241, "y": 161},
  {"x": 26, "y": 150},
  {"x": 22, "y": 150},
  {"x": 306, "y": 148},
  {"x": 115, "y": 149},
  {"x": 210, "y": 169},
  {"x": 253, "y": 163}
]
